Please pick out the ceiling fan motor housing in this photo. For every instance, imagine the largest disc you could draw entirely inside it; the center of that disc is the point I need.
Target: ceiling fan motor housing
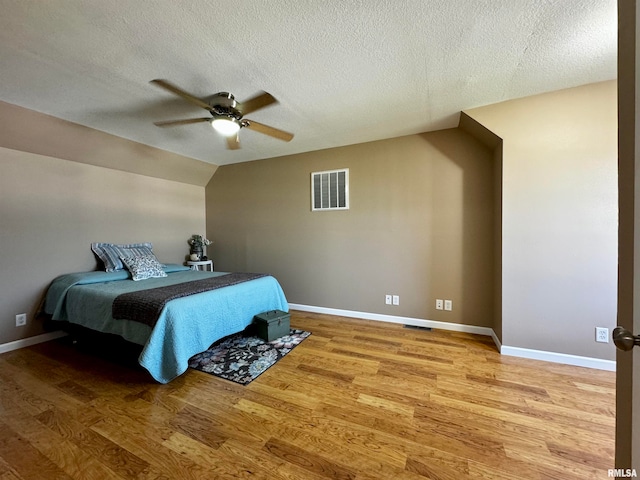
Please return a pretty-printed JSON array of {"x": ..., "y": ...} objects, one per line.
[
  {"x": 224, "y": 99},
  {"x": 223, "y": 104}
]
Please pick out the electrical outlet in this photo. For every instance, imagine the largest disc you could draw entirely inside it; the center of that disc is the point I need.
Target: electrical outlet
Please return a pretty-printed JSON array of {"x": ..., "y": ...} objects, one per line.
[
  {"x": 387, "y": 299},
  {"x": 21, "y": 319},
  {"x": 439, "y": 304},
  {"x": 602, "y": 335},
  {"x": 396, "y": 299},
  {"x": 448, "y": 305}
]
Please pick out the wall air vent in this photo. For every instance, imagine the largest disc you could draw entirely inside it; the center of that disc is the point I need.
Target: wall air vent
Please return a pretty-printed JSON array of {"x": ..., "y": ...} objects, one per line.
[{"x": 330, "y": 190}]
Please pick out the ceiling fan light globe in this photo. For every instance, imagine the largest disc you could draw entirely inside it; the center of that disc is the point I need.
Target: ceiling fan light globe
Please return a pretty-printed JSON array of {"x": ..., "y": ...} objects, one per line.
[{"x": 225, "y": 126}]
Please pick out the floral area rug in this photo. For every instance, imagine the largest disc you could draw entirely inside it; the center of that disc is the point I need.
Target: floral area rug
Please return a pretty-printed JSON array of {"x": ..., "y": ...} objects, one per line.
[{"x": 242, "y": 358}]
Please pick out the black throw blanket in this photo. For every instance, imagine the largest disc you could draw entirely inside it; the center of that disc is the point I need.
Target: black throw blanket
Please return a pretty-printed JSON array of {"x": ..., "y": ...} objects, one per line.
[{"x": 146, "y": 305}]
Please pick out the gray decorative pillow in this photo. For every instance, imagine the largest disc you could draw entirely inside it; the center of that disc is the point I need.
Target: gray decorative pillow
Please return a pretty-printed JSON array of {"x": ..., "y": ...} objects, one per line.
[
  {"x": 143, "y": 267},
  {"x": 110, "y": 253}
]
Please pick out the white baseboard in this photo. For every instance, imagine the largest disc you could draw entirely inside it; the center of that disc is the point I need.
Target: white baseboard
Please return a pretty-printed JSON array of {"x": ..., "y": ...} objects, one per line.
[
  {"x": 563, "y": 358},
  {"x": 554, "y": 357},
  {"x": 416, "y": 322},
  {"x": 27, "y": 342},
  {"x": 496, "y": 340}
]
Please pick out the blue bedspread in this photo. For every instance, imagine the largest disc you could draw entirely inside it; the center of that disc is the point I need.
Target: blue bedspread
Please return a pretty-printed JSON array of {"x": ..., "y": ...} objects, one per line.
[{"x": 186, "y": 326}]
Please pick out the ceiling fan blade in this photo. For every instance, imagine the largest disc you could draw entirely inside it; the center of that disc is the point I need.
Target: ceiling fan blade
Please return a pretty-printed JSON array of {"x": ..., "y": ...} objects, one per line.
[
  {"x": 178, "y": 91},
  {"x": 187, "y": 121},
  {"x": 233, "y": 142},
  {"x": 255, "y": 103},
  {"x": 267, "y": 130}
]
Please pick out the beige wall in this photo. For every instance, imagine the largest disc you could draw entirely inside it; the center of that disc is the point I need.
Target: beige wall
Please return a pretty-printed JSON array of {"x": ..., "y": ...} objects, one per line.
[
  {"x": 493, "y": 142},
  {"x": 51, "y": 208},
  {"x": 421, "y": 223},
  {"x": 30, "y": 131},
  {"x": 559, "y": 231},
  {"x": 420, "y": 226},
  {"x": 497, "y": 245}
]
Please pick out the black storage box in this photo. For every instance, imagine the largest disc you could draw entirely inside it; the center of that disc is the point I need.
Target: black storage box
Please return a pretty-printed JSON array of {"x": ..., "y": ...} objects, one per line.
[{"x": 273, "y": 324}]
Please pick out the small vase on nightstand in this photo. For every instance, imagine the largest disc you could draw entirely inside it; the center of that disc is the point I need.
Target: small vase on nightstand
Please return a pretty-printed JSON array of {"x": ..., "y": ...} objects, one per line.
[{"x": 196, "y": 250}]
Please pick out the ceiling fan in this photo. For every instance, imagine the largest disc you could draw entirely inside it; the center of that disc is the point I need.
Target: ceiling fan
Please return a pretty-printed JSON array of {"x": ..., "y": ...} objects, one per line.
[{"x": 227, "y": 115}]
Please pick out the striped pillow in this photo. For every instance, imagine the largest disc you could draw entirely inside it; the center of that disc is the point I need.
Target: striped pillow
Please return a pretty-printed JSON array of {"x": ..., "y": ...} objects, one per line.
[{"x": 110, "y": 253}]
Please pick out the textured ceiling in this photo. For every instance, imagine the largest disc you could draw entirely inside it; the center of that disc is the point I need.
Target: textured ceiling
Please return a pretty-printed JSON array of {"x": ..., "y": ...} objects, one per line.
[{"x": 344, "y": 72}]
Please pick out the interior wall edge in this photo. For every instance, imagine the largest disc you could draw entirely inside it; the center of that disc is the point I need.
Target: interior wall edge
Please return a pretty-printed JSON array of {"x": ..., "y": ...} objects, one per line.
[{"x": 479, "y": 131}]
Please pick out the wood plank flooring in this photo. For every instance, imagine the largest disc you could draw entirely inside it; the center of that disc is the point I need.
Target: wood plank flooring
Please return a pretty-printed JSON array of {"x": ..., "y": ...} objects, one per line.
[{"x": 357, "y": 400}]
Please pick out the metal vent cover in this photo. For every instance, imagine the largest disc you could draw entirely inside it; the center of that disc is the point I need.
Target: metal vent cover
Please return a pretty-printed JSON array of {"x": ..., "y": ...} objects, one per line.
[{"x": 330, "y": 190}]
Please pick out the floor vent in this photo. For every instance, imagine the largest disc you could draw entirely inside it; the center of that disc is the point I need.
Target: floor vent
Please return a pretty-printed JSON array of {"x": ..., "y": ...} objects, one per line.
[{"x": 416, "y": 327}]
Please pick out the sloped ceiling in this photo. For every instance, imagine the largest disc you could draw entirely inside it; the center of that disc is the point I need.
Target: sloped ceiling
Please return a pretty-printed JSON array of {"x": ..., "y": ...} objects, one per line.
[{"x": 344, "y": 72}]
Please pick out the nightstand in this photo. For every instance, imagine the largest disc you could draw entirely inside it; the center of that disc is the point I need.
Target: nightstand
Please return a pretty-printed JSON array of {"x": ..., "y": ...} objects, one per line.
[{"x": 201, "y": 265}]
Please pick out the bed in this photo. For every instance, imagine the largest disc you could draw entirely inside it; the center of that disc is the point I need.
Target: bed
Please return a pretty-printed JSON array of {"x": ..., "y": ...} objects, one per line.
[{"x": 184, "y": 327}]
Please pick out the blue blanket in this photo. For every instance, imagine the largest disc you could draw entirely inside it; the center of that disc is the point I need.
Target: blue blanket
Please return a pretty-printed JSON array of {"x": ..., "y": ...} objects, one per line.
[{"x": 186, "y": 326}]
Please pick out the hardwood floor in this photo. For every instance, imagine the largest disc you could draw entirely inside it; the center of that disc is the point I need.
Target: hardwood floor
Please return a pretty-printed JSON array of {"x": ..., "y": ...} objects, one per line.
[{"x": 356, "y": 400}]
